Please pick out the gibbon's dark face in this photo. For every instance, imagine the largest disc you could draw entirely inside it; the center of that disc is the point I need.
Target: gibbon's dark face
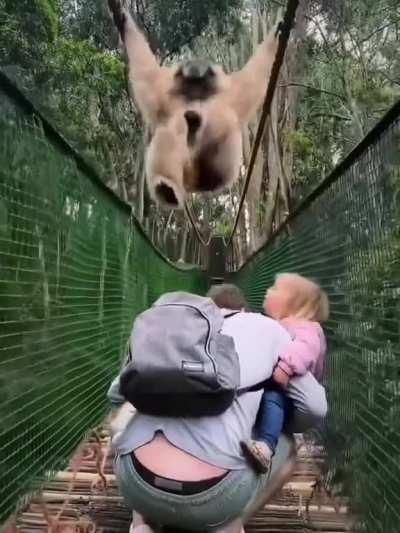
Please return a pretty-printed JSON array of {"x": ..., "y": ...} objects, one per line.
[{"x": 195, "y": 79}]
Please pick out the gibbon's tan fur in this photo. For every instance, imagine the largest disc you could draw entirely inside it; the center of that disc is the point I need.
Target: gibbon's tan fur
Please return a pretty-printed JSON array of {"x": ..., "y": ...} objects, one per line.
[{"x": 195, "y": 113}]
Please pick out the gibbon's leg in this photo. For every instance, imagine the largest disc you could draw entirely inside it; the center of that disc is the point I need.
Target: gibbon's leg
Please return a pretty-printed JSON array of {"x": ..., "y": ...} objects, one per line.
[
  {"x": 217, "y": 151},
  {"x": 216, "y": 164},
  {"x": 166, "y": 158},
  {"x": 149, "y": 80},
  {"x": 249, "y": 85},
  {"x": 229, "y": 158}
]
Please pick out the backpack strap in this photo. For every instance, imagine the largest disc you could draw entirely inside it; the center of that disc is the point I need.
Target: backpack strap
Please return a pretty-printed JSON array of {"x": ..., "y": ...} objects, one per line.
[
  {"x": 129, "y": 358},
  {"x": 253, "y": 388},
  {"x": 233, "y": 313}
]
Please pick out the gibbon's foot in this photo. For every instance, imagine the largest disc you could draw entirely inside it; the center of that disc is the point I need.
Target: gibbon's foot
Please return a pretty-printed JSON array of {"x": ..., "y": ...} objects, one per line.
[
  {"x": 168, "y": 193},
  {"x": 258, "y": 453}
]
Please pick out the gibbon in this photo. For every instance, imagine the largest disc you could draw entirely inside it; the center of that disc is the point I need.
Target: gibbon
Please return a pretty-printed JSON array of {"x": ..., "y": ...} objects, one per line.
[{"x": 195, "y": 113}]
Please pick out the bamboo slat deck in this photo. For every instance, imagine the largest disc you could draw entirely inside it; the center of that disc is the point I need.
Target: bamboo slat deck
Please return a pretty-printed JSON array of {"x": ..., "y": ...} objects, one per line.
[{"x": 90, "y": 508}]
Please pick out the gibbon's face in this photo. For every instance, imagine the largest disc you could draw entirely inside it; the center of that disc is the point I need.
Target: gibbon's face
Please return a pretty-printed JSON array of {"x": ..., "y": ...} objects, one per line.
[
  {"x": 191, "y": 86},
  {"x": 195, "y": 79}
]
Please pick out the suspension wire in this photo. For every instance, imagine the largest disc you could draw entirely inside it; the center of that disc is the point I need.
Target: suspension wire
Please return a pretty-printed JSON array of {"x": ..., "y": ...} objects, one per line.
[
  {"x": 284, "y": 30},
  {"x": 192, "y": 220}
]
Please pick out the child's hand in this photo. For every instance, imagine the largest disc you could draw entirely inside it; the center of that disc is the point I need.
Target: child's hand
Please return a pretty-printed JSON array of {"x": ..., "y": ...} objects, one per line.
[{"x": 280, "y": 377}]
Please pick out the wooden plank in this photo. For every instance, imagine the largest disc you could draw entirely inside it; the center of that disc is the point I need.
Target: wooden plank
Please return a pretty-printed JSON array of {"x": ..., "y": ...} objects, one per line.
[{"x": 88, "y": 508}]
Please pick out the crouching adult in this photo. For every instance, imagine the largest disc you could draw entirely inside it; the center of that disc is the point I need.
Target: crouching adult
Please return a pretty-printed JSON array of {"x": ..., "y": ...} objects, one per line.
[{"x": 188, "y": 471}]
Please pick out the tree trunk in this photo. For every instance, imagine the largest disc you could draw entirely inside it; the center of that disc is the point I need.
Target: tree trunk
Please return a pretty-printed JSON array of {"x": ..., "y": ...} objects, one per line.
[{"x": 182, "y": 252}]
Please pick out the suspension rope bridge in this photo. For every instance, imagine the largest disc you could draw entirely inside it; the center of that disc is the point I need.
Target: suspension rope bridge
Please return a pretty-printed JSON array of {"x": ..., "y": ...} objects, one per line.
[{"x": 76, "y": 268}]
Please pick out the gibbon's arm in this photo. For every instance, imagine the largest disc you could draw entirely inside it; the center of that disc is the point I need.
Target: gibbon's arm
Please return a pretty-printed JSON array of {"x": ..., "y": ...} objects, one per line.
[
  {"x": 145, "y": 74},
  {"x": 249, "y": 85}
]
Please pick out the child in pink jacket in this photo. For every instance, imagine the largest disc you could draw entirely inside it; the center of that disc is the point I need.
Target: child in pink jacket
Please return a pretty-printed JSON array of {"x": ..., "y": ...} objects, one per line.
[{"x": 300, "y": 305}]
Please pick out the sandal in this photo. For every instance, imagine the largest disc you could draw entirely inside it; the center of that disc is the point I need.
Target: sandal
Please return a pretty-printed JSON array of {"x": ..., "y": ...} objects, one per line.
[{"x": 259, "y": 456}]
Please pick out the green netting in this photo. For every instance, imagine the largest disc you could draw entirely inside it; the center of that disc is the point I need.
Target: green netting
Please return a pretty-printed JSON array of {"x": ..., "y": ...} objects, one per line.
[
  {"x": 75, "y": 269},
  {"x": 348, "y": 238}
]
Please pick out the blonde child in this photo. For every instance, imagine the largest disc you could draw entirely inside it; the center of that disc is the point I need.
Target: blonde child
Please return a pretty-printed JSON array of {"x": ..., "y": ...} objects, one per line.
[{"x": 300, "y": 305}]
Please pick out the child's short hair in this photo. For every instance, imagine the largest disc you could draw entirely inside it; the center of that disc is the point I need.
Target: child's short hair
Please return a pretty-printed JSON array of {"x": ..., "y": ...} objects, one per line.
[
  {"x": 227, "y": 296},
  {"x": 309, "y": 300}
]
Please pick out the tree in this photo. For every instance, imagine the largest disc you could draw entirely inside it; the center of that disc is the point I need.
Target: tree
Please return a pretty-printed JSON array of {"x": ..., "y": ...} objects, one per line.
[{"x": 351, "y": 78}]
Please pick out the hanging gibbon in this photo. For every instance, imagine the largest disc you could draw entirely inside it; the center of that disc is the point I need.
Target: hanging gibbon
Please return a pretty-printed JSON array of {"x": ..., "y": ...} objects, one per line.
[{"x": 195, "y": 113}]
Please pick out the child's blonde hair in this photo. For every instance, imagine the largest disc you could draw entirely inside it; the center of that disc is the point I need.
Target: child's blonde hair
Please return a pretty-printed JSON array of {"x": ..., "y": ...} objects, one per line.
[{"x": 308, "y": 300}]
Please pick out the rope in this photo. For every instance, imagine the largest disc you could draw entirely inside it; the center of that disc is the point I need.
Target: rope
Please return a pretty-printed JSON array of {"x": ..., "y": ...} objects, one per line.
[
  {"x": 191, "y": 218},
  {"x": 284, "y": 29}
]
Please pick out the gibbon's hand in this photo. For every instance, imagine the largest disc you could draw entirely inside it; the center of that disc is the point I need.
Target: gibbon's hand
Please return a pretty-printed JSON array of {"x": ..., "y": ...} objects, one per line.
[{"x": 249, "y": 84}]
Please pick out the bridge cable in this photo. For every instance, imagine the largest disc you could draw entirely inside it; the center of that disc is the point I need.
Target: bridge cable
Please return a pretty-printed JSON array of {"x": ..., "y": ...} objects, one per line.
[
  {"x": 284, "y": 30},
  {"x": 200, "y": 237}
]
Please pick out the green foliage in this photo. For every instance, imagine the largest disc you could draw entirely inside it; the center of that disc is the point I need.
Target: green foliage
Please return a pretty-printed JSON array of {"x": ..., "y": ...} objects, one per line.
[
  {"x": 187, "y": 20},
  {"x": 373, "y": 95},
  {"x": 49, "y": 13},
  {"x": 19, "y": 22},
  {"x": 349, "y": 73},
  {"x": 88, "y": 21},
  {"x": 300, "y": 143},
  {"x": 78, "y": 61},
  {"x": 223, "y": 228}
]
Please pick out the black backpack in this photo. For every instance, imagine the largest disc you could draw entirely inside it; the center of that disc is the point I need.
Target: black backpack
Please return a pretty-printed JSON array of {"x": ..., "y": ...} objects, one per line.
[{"x": 180, "y": 364}]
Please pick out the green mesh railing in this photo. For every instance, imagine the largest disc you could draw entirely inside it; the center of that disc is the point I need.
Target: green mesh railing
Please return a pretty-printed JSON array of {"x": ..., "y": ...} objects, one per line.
[
  {"x": 347, "y": 236},
  {"x": 75, "y": 269}
]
